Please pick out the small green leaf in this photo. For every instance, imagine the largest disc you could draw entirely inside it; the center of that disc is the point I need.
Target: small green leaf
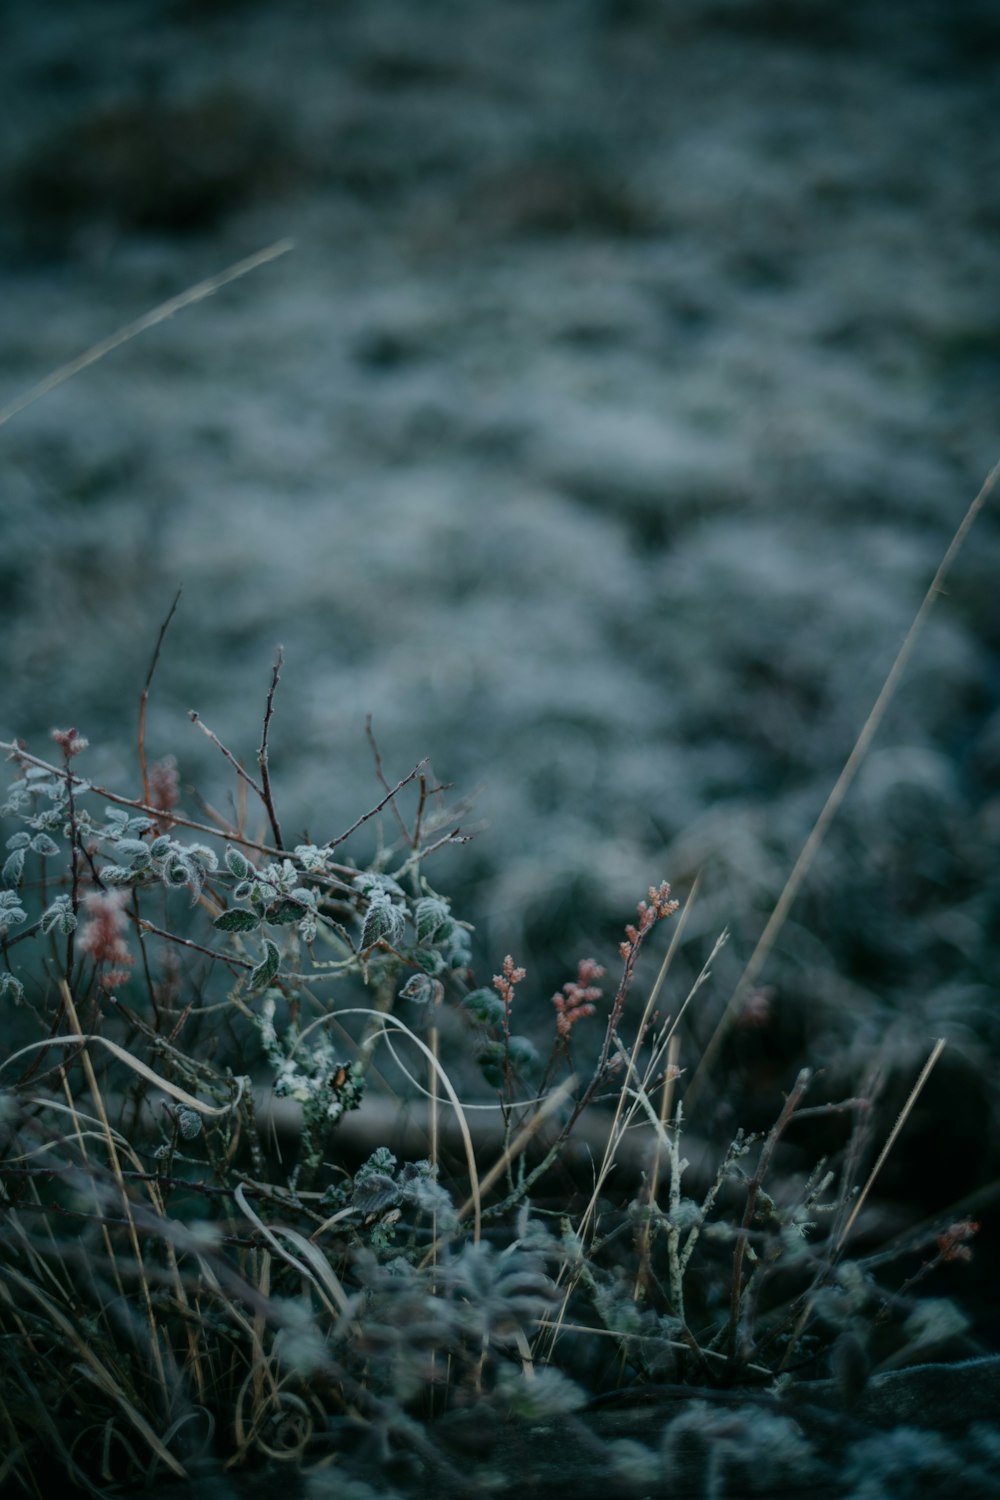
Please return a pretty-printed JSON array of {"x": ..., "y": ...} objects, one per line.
[
  {"x": 237, "y": 920},
  {"x": 284, "y": 913},
  {"x": 430, "y": 914},
  {"x": 428, "y": 959},
  {"x": 203, "y": 857},
  {"x": 133, "y": 852},
  {"x": 490, "y": 1060},
  {"x": 369, "y": 883},
  {"x": 523, "y": 1054},
  {"x": 267, "y": 968},
  {"x": 382, "y": 920},
  {"x": 237, "y": 863},
  {"x": 485, "y": 1005}
]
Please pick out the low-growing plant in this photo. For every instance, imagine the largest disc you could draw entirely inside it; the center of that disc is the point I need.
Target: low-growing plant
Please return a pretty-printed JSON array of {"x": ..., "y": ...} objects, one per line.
[{"x": 184, "y": 1276}]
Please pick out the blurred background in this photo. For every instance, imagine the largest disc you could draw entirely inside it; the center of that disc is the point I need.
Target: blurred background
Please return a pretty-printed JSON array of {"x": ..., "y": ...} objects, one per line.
[{"x": 635, "y": 365}]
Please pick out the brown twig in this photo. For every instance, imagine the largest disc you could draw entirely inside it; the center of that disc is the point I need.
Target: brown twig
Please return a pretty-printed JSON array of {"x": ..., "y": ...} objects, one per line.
[
  {"x": 155, "y": 812},
  {"x": 371, "y": 813},
  {"x": 753, "y": 1193},
  {"x": 237, "y": 766},
  {"x": 377, "y": 757},
  {"x": 265, "y": 778},
  {"x": 144, "y": 696},
  {"x": 172, "y": 937}
]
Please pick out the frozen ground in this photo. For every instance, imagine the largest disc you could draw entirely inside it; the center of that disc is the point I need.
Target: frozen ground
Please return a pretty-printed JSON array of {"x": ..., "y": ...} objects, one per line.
[{"x": 634, "y": 367}]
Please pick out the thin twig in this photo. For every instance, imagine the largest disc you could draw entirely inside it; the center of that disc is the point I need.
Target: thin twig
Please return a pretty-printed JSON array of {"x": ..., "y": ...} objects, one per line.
[
  {"x": 144, "y": 697},
  {"x": 237, "y": 766},
  {"x": 753, "y": 1193},
  {"x": 81, "y": 783},
  {"x": 265, "y": 778},
  {"x": 341, "y": 838},
  {"x": 74, "y": 844},
  {"x": 172, "y": 937},
  {"x": 377, "y": 757},
  {"x": 196, "y": 293}
]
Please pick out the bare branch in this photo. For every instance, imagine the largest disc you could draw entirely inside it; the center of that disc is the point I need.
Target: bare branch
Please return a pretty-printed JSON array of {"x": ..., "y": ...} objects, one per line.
[
  {"x": 144, "y": 697},
  {"x": 340, "y": 839},
  {"x": 237, "y": 766},
  {"x": 265, "y": 779}
]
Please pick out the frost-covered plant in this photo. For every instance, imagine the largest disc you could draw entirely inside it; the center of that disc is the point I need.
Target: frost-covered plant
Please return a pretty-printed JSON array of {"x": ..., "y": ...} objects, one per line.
[{"x": 165, "y": 975}]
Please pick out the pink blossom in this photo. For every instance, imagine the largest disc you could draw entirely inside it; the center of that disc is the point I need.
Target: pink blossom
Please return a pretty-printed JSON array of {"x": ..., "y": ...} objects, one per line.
[{"x": 102, "y": 938}]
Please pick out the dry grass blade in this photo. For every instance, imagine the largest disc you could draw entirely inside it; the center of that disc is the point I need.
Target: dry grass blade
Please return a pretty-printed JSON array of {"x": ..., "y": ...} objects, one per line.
[
  {"x": 830, "y": 808},
  {"x": 160, "y": 314},
  {"x": 904, "y": 1115},
  {"x": 317, "y": 1271},
  {"x": 390, "y": 1023},
  {"x": 549, "y": 1106},
  {"x": 116, "y": 1167},
  {"x": 96, "y": 1370},
  {"x": 137, "y": 1066}
]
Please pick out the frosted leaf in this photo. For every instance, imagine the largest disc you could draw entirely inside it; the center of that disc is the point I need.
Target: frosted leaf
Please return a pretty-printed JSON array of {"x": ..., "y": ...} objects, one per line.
[
  {"x": 381, "y": 1160},
  {"x": 429, "y": 960},
  {"x": 419, "y": 988},
  {"x": 431, "y": 1197},
  {"x": 237, "y": 863},
  {"x": 374, "y": 1192},
  {"x": 134, "y": 853},
  {"x": 12, "y": 987},
  {"x": 485, "y": 1005},
  {"x": 189, "y": 1123},
  {"x": 284, "y": 913},
  {"x": 43, "y": 845},
  {"x": 267, "y": 968},
  {"x": 203, "y": 857},
  {"x": 19, "y": 841},
  {"x": 523, "y": 1053},
  {"x": 13, "y": 868},
  {"x": 429, "y": 914},
  {"x": 369, "y": 882},
  {"x": 11, "y": 910},
  {"x": 310, "y": 856},
  {"x": 237, "y": 920},
  {"x": 382, "y": 920},
  {"x": 60, "y": 914}
]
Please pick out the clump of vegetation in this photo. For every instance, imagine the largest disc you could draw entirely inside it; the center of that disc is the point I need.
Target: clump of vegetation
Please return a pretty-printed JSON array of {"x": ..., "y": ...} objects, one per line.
[{"x": 195, "y": 1269}]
